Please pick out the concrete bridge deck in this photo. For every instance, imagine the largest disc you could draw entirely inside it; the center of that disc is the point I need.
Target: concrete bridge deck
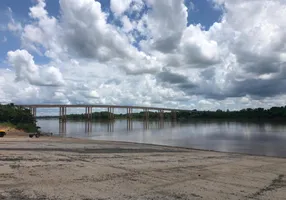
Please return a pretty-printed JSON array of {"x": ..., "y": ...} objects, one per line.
[
  {"x": 98, "y": 106},
  {"x": 110, "y": 109}
]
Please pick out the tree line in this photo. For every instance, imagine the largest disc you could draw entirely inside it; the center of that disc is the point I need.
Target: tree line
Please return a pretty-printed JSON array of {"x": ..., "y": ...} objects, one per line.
[
  {"x": 274, "y": 113},
  {"x": 18, "y": 117}
]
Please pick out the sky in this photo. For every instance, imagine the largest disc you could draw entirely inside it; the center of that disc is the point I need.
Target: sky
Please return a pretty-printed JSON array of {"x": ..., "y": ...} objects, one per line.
[{"x": 188, "y": 54}]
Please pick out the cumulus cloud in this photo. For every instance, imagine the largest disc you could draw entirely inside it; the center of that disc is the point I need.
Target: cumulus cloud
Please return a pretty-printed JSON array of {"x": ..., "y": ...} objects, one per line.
[
  {"x": 38, "y": 11},
  {"x": 198, "y": 49},
  {"x": 256, "y": 39},
  {"x": 87, "y": 34},
  {"x": 27, "y": 70},
  {"x": 13, "y": 25},
  {"x": 166, "y": 29},
  {"x": 153, "y": 56},
  {"x": 127, "y": 25},
  {"x": 179, "y": 81},
  {"x": 119, "y": 6}
]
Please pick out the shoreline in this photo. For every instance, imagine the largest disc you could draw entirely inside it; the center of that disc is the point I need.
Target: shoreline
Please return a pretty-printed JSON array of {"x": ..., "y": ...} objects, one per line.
[
  {"x": 75, "y": 139},
  {"x": 79, "y": 168}
]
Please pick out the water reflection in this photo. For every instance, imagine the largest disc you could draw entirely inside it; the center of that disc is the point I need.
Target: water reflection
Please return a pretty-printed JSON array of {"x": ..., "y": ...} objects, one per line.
[
  {"x": 145, "y": 124},
  {"x": 254, "y": 138},
  {"x": 110, "y": 126},
  {"x": 129, "y": 124},
  {"x": 62, "y": 128},
  {"x": 161, "y": 124},
  {"x": 88, "y": 127}
]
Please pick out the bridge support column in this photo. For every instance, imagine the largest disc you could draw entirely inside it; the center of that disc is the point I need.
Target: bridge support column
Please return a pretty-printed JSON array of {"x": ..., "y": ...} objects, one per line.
[
  {"x": 161, "y": 114},
  {"x": 146, "y": 114},
  {"x": 174, "y": 115},
  {"x": 60, "y": 113},
  {"x": 63, "y": 113},
  {"x": 110, "y": 111},
  {"x": 88, "y": 113},
  {"x": 33, "y": 111},
  {"x": 129, "y": 113}
]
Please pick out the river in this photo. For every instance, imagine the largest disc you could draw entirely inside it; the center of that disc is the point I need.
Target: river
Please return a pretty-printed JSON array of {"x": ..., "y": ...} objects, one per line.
[{"x": 243, "y": 137}]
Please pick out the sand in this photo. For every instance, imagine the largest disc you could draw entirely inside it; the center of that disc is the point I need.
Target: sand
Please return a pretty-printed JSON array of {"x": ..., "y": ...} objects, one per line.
[{"x": 65, "y": 168}]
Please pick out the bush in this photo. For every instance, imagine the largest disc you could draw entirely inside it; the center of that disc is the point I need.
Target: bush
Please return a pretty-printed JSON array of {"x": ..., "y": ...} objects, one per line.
[{"x": 17, "y": 117}]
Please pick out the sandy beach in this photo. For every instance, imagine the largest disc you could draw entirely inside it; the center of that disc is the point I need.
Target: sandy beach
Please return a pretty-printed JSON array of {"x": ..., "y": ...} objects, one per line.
[{"x": 66, "y": 168}]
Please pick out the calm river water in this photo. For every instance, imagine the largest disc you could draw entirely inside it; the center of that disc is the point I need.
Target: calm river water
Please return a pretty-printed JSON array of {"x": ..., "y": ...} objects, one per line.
[{"x": 252, "y": 138}]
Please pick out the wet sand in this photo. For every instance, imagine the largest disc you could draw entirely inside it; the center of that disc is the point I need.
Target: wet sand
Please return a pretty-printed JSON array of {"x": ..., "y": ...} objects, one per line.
[{"x": 65, "y": 168}]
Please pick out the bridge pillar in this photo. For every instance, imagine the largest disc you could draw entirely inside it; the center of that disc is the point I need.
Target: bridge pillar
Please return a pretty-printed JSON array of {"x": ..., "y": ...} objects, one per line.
[
  {"x": 110, "y": 111},
  {"x": 88, "y": 113},
  {"x": 174, "y": 115},
  {"x": 161, "y": 114},
  {"x": 146, "y": 114},
  {"x": 60, "y": 113},
  {"x": 33, "y": 111},
  {"x": 63, "y": 113},
  {"x": 129, "y": 113}
]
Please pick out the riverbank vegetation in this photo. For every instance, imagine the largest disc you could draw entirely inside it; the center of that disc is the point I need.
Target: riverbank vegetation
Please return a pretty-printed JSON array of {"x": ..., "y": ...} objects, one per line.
[
  {"x": 274, "y": 113},
  {"x": 16, "y": 117}
]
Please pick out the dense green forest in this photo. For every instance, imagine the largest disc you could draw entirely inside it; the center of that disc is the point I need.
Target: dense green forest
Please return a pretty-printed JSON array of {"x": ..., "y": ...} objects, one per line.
[
  {"x": 274, "y": 113},
  {"x": 18, "y": 117}
]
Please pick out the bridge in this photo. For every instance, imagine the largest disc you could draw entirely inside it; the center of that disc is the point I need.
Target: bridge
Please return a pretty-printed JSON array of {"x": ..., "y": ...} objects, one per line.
[{"x": 110, "y": 109}]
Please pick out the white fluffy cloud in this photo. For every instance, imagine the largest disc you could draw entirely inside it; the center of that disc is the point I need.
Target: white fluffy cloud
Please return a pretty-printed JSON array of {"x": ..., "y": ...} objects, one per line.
[
  {"x": 27, "y": 70},
  {"x": 166, "y": 29},
  {"x": 198, "y": 48},
  {"x": 154, "y": 58},
  {"x": 119, "y": 6},
  {"x": 252, "y": 34},
  {"x": 127, "y": 25}
]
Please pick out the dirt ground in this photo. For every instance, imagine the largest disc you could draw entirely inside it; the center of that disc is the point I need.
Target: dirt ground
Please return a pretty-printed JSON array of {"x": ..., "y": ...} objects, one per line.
[{"x": 63, "y": 168}]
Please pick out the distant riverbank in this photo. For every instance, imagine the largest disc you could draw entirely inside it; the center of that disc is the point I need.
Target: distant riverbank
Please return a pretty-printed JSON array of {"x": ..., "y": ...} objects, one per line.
[{"x": 258, "y": 114}]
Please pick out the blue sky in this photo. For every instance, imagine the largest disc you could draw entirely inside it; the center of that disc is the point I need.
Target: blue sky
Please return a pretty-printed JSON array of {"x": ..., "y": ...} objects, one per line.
[
  {"x": 237, "y": 63},
  {"x": 199, "y": 12}
]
